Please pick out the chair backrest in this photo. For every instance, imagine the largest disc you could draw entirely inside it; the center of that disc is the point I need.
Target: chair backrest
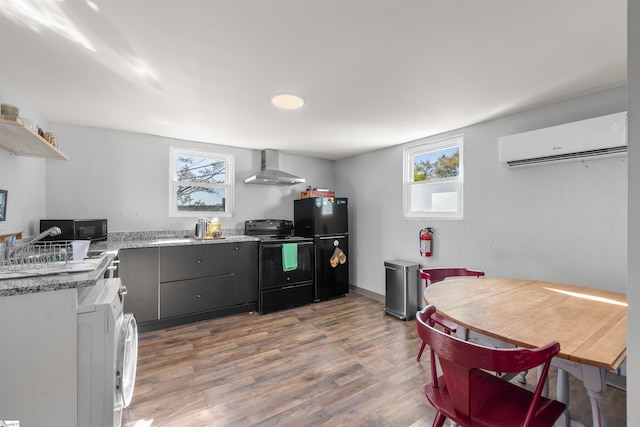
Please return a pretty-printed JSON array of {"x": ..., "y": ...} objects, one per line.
[
  {"x": 459, "y": 358},
  {"x": 433, "y": 275}
]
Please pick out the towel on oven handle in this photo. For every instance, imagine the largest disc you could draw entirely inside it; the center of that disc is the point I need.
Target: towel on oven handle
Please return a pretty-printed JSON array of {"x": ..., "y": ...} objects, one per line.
[{"x": 289, "y": 256}]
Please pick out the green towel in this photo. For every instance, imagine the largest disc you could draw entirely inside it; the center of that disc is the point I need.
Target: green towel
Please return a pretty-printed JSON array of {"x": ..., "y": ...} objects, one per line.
[{"x": 289, "y": 256}]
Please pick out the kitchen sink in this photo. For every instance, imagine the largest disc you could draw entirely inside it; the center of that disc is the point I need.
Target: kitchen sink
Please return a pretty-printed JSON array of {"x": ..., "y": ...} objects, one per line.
[{"x": 94, "y": 254}]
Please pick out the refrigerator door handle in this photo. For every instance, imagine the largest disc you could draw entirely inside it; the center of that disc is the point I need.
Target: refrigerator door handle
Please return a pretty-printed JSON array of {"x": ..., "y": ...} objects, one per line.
[{"x": 333, "y": 237}]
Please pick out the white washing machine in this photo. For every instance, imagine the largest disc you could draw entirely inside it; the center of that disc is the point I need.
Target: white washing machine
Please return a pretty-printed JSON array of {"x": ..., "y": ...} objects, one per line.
[{"x": 107, "y": 354}]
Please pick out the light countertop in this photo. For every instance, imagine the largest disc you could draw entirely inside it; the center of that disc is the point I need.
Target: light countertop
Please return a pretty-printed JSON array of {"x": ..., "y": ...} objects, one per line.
[
  {"x": 76, "y": 275},
  {"x": 71, "y": 275}
]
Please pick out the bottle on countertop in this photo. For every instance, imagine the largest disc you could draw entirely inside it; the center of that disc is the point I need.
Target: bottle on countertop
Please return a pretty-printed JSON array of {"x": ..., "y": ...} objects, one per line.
[
  {"x": 62, "y": 255},
  {"x": 215, "y": 227}
]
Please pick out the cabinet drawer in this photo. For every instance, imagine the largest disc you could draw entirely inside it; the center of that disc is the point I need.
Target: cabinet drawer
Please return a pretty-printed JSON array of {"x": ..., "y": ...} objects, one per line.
[
  {"x": 193, "y": 262},
  {"x": 194, "y": 296}
]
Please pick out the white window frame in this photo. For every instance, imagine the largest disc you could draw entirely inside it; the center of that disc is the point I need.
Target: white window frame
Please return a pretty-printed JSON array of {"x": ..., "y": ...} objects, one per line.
[
  {"x": 174, "y": 183},
  {"x": 408, "y": 183}
]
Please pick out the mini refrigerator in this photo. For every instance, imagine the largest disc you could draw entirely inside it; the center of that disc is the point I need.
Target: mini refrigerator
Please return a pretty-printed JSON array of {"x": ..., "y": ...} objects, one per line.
[
  {"x": 326, "y": 220},
  {"x": 401, "y": 282}
]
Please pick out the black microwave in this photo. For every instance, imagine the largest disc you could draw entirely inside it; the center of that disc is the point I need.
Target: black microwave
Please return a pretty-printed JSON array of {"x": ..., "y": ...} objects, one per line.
[{"x": 76, "y": 229}]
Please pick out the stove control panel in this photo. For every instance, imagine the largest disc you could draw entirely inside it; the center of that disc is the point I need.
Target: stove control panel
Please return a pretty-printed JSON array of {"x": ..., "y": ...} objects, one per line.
[{"x": 268, "y": 227}]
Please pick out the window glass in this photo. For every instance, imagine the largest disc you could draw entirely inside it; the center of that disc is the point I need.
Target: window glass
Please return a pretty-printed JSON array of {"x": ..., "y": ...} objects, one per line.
[
  {"x": 433, "y": 179},
  {"x": 201, "y": 183}
]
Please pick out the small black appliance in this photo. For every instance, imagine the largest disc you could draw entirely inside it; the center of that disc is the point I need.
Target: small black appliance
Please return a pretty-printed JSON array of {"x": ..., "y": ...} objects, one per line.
[{"x": 76, "y": 229}]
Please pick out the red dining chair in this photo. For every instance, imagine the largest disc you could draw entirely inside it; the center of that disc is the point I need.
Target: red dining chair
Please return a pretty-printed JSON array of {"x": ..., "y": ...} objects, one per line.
[
  {"x": 469, "y": 396},
  {"x": 433, "y": 275}
]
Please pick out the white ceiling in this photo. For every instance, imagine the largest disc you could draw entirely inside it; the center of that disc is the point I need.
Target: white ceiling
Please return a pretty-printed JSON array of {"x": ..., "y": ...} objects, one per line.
[{"x": 374, "y": 73}]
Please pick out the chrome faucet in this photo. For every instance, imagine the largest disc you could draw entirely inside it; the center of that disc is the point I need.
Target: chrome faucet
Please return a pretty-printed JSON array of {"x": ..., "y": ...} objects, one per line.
[{"x": 53, "y": 231}]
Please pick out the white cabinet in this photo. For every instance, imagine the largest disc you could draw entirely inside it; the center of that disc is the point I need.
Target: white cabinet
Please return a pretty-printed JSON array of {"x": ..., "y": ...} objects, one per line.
[
  {"x": 17, "y": 139},
  {"x": 38, "y": 373}
]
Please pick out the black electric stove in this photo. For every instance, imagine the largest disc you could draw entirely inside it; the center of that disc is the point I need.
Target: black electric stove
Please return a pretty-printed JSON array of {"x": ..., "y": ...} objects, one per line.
[
  {"x": 279, "y": 287},
  {"x": 272, "y": 230}
]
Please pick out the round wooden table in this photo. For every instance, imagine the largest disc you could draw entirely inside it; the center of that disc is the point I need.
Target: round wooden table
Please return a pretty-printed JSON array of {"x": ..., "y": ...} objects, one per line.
[{"x": 590, "y": 324}]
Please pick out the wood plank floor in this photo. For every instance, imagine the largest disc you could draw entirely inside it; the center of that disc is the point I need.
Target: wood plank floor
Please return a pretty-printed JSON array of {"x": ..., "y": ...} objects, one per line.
[{"x": 340, "y": 362}]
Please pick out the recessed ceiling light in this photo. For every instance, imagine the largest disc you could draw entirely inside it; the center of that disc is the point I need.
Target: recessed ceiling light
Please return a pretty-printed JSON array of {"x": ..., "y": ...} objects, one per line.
[{"x": 287, "y": 102}]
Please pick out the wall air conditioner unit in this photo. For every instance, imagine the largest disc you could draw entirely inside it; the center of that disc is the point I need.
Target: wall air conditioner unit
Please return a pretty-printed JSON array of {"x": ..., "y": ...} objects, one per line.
[{"x": 599, "y": 137}]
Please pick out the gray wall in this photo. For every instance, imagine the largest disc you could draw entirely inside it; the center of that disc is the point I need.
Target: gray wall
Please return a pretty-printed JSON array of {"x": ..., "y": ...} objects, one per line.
[
  {"x": 124, "y": 177},
  {"x": 564, "y": 222},
  {"x": 23, "y": 177},
  {"x": 633, "y": 291}
]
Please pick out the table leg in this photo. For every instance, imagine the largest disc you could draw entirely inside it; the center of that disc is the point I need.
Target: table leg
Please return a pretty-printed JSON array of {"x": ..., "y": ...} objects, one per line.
[
  {"x": 545, "y": 388},
  {"x": 596, "y": 385},
  {"x": 562, "y": 395},
  {"x": 594, "y": 380}
]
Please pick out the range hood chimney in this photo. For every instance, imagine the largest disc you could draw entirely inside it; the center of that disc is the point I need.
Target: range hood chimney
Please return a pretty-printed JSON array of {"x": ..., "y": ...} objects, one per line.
[{"x": 270, "y": 173}]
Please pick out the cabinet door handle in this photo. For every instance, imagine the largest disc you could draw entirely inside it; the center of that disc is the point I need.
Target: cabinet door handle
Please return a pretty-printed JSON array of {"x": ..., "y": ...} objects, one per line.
[{"x": 198, "y": 261}]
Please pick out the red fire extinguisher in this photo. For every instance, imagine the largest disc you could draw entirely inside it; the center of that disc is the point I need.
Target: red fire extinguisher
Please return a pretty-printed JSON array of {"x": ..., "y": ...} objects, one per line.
[{"x": 426, "y": 241}]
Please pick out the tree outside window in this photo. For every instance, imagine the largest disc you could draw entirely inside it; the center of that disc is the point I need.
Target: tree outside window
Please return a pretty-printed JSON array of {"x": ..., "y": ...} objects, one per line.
[
  {"x": 446, "y": 165},
  {"x": 433, "y": 179},
  {"x": 202, "y": 183}
]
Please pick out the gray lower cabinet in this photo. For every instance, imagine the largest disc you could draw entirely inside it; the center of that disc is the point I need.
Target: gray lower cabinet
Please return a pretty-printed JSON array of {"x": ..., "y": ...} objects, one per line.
[
  {"x": 196, "y": 261},
  {"x": 195, "y": 278},
  {"x": 174, "y": 285},
  {"x": 245, "y": 273},
  {"x": 194, "y": 296},
  {"x": 138, "y": 271}
]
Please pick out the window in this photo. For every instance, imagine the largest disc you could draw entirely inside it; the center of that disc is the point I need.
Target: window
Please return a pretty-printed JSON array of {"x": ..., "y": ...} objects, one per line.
[
  {"x": 201, "y": 184},
  {"x": 433, "y": 179}
]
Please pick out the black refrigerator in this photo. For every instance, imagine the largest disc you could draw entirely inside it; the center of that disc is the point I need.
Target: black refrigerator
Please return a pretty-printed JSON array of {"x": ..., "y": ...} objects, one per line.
[{"x": 326, "y": 220}]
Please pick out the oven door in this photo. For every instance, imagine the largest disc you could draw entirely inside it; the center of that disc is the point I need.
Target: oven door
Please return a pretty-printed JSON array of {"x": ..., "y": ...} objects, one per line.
[{"x": 272, "y": 274}]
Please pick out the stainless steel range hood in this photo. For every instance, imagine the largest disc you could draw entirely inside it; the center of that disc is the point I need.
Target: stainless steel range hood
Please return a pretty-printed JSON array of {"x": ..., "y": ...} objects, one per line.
[{"x": 270, "y": 173}]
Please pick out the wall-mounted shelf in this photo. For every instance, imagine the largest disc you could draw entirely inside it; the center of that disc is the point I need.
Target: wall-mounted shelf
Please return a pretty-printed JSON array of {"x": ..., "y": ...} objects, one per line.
[{"x": 17, "y": 139}]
